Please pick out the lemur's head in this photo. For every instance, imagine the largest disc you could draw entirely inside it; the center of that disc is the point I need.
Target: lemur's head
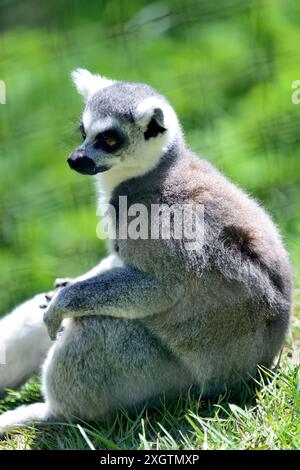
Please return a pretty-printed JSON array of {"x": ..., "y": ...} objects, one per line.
[{"x": 126, "y": 127}]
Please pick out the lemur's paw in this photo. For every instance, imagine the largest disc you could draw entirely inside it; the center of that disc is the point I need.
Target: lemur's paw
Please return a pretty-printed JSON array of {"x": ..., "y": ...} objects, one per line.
[
  {"x": 63, "y": 282},
  {"x": 53, "y": 323},
  {"x": 53, "y": 314}
]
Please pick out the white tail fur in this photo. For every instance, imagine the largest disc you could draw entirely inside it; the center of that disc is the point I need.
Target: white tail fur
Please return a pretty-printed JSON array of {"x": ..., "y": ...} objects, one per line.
[
  {"x": 24, "y": 343},
  {"x": 24, "y": 415}
]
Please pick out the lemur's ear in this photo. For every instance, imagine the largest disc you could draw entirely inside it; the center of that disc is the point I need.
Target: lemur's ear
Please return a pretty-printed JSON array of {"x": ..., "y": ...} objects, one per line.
[
  {"x": 155, "y": 117},
  {"x": 155, "y": 124},
  {"x": 87, "y": 83}
]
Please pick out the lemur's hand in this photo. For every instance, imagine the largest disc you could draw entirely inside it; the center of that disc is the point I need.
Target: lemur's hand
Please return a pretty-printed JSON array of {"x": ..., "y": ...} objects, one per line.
[{"x": 53, "y": 315}]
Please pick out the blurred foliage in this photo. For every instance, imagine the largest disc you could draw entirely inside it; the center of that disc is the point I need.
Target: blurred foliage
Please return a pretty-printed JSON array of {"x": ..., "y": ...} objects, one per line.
[{"x": 227, "y": 66}]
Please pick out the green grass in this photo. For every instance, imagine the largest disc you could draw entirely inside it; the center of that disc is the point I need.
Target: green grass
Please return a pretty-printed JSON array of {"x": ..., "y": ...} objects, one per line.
[
  {"x": 267, "y": 418},
  {"x": 227, "y": 67}
]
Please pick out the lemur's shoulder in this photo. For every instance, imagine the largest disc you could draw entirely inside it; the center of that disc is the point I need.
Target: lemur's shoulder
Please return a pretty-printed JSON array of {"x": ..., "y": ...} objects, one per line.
[{"x": 232, "y": 217}]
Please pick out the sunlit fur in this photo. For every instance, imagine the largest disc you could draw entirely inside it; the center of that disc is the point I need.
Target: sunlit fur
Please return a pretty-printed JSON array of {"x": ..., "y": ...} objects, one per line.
[{"x": 154, "y": 318}]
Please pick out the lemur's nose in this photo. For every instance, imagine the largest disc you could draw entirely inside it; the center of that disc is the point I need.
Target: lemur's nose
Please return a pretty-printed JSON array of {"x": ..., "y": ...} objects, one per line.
[{"x": 82, "y": 164}]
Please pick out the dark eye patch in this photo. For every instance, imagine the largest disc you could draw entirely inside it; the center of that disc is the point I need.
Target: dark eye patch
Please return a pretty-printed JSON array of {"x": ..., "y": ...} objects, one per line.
[{"x": 109, "y": 141}]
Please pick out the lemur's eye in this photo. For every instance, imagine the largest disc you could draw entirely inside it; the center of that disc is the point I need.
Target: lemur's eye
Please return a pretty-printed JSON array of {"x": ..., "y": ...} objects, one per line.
[{"x": 109, "y": 141}]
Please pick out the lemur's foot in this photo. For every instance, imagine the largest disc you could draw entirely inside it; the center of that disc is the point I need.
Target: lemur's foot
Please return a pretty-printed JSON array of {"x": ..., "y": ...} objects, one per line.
[{"x": 63, "y": 282}]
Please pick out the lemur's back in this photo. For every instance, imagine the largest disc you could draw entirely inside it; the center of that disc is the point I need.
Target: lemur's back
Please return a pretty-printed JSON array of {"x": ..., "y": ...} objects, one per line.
[{"x": 234, "y": 289}]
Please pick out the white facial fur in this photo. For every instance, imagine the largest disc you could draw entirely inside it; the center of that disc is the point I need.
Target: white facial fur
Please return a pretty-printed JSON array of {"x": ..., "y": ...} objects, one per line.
[{"x": 94, "y": 126}]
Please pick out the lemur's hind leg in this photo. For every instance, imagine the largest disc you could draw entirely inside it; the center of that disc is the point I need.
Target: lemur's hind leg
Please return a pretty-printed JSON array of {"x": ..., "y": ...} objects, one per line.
[
  {"x": 101, "y": 364},
  {"x": 98, "y": 366},
  {"x": 24, "y": 343}
]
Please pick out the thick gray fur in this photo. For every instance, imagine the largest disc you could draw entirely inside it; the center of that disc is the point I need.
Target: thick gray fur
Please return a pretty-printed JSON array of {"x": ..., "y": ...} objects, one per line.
[{"x": 169, "y": 318}]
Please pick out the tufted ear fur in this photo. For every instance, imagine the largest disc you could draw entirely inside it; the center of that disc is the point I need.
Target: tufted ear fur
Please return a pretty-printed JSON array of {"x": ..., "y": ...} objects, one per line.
[
  {"x": 155, "y": 117},
  {"x": 87, "y": 83}
]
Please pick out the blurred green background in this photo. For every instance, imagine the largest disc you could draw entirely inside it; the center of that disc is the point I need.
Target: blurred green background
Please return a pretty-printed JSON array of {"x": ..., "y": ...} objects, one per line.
[{"x": 227, "y": 67}]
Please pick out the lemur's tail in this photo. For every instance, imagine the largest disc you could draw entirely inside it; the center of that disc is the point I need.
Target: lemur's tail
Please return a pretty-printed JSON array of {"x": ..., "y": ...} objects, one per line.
[
  {"x": 24, "y": 415},
  {"x": 24, "y": 343}
]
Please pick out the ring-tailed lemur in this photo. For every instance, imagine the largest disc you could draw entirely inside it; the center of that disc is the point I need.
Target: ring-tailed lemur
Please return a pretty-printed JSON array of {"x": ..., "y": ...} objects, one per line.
[{"x": 154, "y": 318}]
